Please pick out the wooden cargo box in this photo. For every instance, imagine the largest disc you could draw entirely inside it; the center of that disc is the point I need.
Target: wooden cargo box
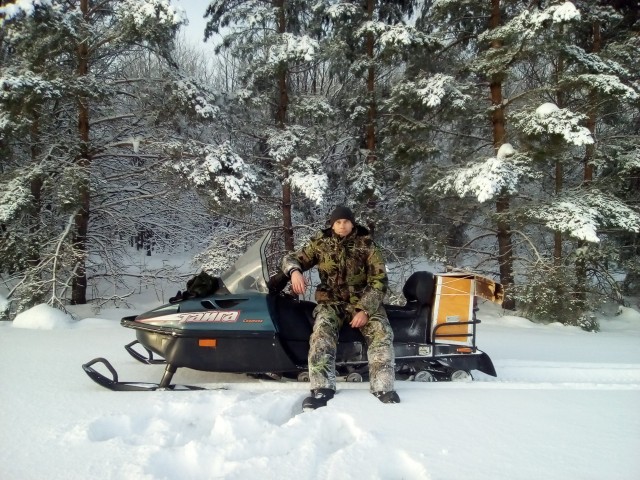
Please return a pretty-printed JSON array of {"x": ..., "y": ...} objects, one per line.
[{"x": 454, "y": 303}]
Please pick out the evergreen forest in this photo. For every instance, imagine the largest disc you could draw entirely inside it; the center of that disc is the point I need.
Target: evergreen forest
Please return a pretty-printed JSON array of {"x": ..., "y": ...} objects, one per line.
[{"x": 497, "y": 136}]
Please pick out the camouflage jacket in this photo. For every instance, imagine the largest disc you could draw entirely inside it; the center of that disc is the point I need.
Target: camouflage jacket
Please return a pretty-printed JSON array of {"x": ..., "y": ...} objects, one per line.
[{"x": 351, "y": 269}]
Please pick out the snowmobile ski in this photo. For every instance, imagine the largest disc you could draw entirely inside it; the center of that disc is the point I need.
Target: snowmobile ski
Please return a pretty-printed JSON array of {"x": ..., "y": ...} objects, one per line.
[{"x": 117, "y": 386}]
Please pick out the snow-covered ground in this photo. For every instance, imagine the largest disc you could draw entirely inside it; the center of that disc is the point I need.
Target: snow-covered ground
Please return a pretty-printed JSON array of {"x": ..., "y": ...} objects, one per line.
[{"x": 565, "y": 405}]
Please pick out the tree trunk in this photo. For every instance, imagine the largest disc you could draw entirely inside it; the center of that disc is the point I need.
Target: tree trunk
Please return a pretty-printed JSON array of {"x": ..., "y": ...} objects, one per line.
[
  {"x": 590, "y": 151},
  {"x": 559, "y": 169},
  {"x": 371, "y": 131},
  {"x": 589, "y": 157},
  {"x": 286, "y": 216},
  {"x": 79, "y": 286},
  {"x": 505, "y": 245},
  {"x": 557, "y": 235},
  {"x": 35, "y": 187},
  {"x": 505, "y": 251},
  {"x": 281, "y": 121},
  {"x": 370, "y": 140}
]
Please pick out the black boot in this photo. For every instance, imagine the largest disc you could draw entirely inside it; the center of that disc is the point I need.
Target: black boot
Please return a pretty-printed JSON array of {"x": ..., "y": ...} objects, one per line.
[
  {"x": 387, "y": 397},
  {"x": 319, "y": 398}
]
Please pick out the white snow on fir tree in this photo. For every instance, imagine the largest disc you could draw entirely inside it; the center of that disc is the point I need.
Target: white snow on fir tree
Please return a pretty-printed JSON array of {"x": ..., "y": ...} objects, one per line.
[
  {"x": 548, "y": 118},
  {"x": 609, "y": 85},
  {"x": 546, "y": 109},
  {"x": 506, "y": 150},
  {"x": 285, "y": 143},
  {"x": 581, "y": 213},
  {"x": 527, "y": 24},
  {"x": 358, "y": 112},
  {"x": 217, "y": 169},
  {"x": 536, "y": 19},
  {"x": 432, "y": 91},
  {"x": 312, "y": 106},
  {"x": 18, "y": 7},
  {"x": 292, "y": 48},
  {"x": 194, "y": 98},
  {"x": 363, "y": 178},
  {"x": 484, "y": 180},
  {"x": 566, "y": 12},
  {"x": 140, "y": 12},
  {"x": 392, "y": 35},
  {"x": 489, "y": 178},
  {"x": 341, "y": 9},
  {"x": 255, "y": 16},
  {"x": 595, "y": 63},
  {"x": 306, "y": 176},
  {"x": 630, "y": 161},
  {"x": 436, "y": 88},
  {"x": 5, "y": 124},
  {"x": 14, "y": 196},
  {"x": 14, "y": 86},
  {"x": 579, "y": 221}
]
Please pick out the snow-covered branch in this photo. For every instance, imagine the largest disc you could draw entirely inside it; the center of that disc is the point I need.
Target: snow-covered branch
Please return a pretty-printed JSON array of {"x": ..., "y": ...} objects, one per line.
[
  {"x": 551, "y": 120},
  {"x": 582, "y": 213},
  {"x": 306, "y": 176},
  {"x": 487, "y": 179}
]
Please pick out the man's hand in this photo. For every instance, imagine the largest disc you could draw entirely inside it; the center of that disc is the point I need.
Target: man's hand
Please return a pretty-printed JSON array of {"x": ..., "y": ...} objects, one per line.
[
  {"x": 298, "y": 282},
  {"x": 360, "y": 319}
]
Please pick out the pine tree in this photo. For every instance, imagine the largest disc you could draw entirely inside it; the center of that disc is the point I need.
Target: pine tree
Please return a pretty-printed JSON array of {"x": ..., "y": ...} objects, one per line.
[
  {"x": 527, "y": 55},
  {"x": 439, "y": 103},
  {"x": 280, "y": 111},
  {"x": 367, "y": 43}
]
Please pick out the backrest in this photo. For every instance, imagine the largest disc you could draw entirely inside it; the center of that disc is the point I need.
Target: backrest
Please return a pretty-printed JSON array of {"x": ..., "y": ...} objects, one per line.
[{"x": 419, "y": 288}]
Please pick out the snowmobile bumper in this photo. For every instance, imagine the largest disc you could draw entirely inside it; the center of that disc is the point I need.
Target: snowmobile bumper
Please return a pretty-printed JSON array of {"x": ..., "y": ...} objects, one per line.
[
  {"x": 475, "y": 361},
  {"x": 148, "y": 360}
]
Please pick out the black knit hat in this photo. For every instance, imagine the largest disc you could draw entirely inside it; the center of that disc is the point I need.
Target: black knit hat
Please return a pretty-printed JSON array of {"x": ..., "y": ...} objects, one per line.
[{"x": 341, "y": 212}]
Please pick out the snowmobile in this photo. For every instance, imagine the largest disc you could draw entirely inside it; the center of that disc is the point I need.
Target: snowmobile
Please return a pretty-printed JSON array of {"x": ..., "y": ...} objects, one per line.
[{"x": 244, "y": 322}]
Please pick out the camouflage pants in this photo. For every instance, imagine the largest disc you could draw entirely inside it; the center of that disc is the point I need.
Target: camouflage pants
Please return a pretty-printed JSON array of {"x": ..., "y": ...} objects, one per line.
[{"x": 328, "y": 320}]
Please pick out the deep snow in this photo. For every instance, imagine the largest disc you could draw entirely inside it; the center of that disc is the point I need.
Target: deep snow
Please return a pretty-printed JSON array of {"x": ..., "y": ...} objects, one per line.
[{"x": 565, "y": 405}]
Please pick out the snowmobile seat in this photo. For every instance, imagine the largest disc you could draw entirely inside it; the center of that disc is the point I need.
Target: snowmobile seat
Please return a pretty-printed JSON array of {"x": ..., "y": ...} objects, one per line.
[
  {"x": 410, "y": 322},
  {"x": 293, "y": 318}
]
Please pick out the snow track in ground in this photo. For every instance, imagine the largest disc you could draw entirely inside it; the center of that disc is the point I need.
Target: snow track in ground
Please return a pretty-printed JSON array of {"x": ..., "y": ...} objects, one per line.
[
  {"x": 537, "y": 372},
  {"x": 511, "y": 374}
]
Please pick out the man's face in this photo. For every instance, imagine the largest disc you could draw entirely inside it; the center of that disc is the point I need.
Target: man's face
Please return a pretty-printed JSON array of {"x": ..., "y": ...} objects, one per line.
[{"x": 342, "y": 227}]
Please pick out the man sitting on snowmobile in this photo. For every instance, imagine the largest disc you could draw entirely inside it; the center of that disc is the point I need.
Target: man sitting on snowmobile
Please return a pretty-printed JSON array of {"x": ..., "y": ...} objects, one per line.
[{"x": 353, "y": 282}]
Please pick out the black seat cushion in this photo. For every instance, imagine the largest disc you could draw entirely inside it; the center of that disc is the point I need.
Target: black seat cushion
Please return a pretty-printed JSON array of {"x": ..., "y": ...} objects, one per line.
[{"x": 293, "y": 318}]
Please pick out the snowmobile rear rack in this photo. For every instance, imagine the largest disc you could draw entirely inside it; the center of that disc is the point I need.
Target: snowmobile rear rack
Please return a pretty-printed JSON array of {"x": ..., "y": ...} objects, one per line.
[
  {"x": 117, "y": 386},
  {"x": 443, "y": 326}
]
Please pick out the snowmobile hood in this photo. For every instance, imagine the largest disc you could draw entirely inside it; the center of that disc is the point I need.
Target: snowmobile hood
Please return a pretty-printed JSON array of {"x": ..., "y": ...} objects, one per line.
[{"x": 242, "y": 312}]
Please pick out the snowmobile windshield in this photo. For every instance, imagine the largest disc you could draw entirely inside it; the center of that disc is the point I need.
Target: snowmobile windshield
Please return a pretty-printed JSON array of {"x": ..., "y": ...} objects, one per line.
[{"x": 249, "y": 273}]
